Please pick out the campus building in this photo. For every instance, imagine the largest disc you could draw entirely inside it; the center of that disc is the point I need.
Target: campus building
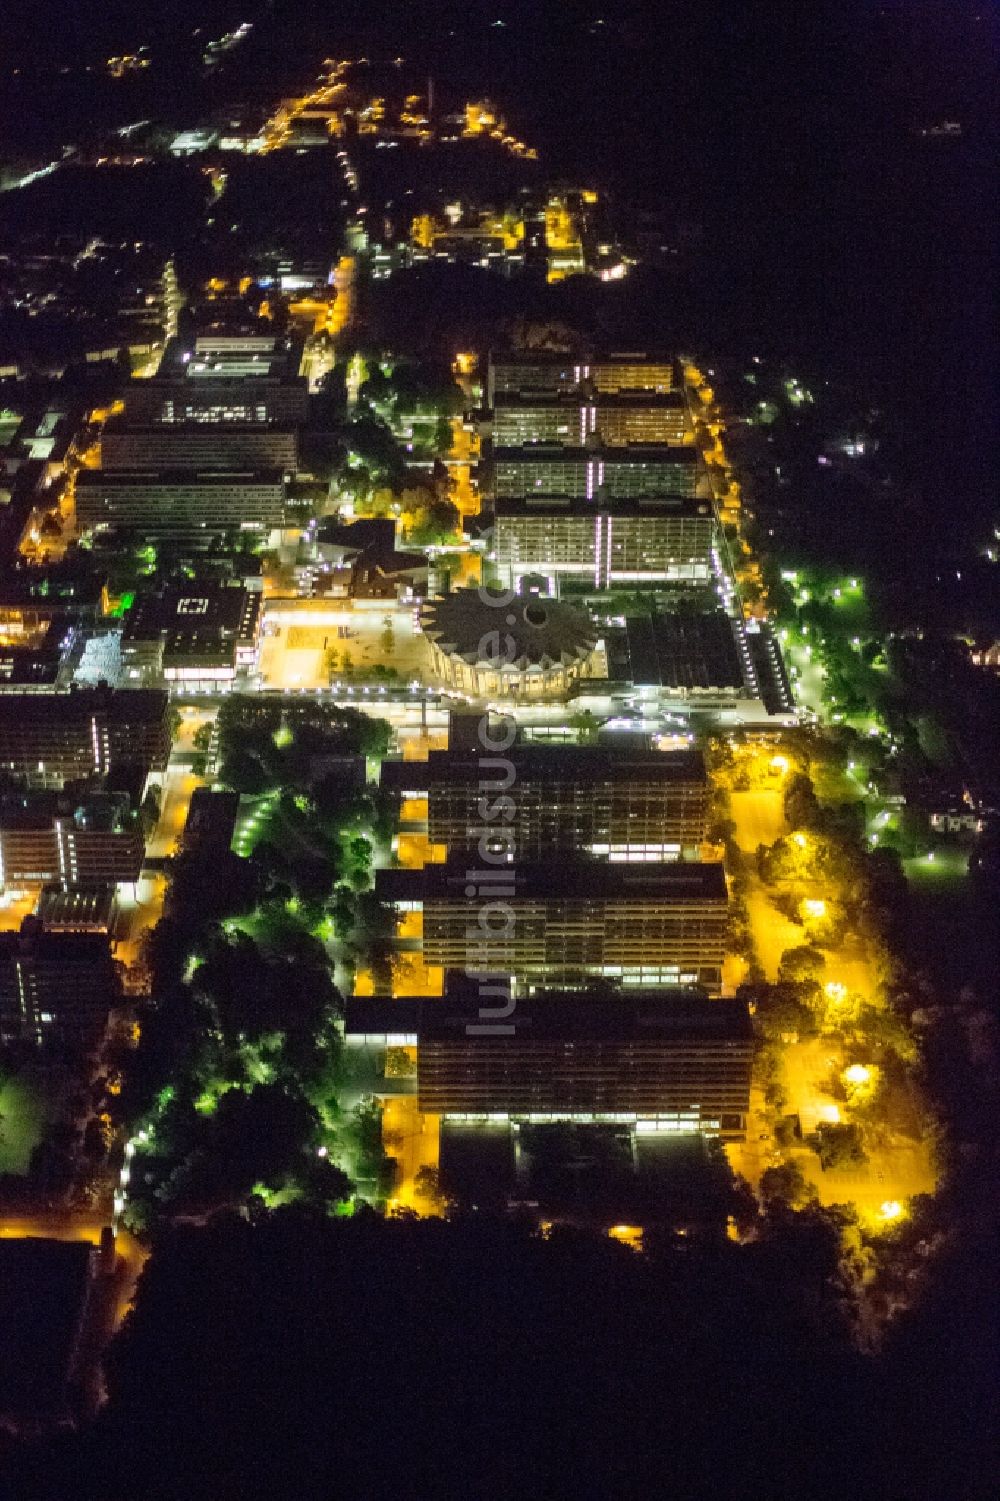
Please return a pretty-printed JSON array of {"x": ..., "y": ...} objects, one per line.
[
  {"x": 55, "y": 987},
  {"x": 623, "y": 804},
  {"x": 656, "y": 1061},
  {"x": 530, "y": 649},
  {"x": 92, "y": 840},
  {"x": 198, "y": 445},
  {"x": 559, "y": 920},
  {"x": 516, "y": 372},
  {"x": 635, "y": 543},
  {"x": 241, "y": 378},
  {"x": 36, "y": 640},
  {"x": 52, "y": 738},
  {"x": 603, "y": 421},
  {"x": 180, "y": 501},
  {"x": 712, "y": 660},
  {"x": 199, "y": 634},
  {"x": 585, "y": 473}
]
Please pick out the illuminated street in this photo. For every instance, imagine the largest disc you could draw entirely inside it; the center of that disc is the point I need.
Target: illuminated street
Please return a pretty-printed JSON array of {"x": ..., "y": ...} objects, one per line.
[{"x": 178, "y": 786}]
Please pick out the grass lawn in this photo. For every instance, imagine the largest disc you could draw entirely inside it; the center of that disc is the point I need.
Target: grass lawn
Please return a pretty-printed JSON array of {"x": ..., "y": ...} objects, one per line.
[
  {"x": 945, "y": 872},
  {"x": 24, "y": 1110}
]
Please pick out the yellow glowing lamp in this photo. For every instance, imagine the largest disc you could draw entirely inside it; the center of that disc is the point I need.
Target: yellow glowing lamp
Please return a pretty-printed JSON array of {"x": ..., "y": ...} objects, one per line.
[{"x": 627, "y": 1235}]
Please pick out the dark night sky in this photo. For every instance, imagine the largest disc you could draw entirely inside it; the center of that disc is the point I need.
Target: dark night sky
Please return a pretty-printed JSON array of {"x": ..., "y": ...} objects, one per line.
[{"x": 830, "y": 230}]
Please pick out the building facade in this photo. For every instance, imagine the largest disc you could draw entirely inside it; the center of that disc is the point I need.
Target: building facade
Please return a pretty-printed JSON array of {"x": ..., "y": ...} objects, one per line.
[
  {"x": 624, "y": 805},
  {"x": 604, "y": 421},
  {"x": 636, "y": 923},
  {"x": 637, "y": 543},
  {"x": 181, "y": 501},
  {"x": 609, "y": 474},
  {"x": 512, "y": 373},
  {"x": 85, "y": 845},
  {"x": 198, "y": 445},
  {"x": 222, "y": 399},
  {"x": 55, "y": 987},
  {"x": 241, "y": 378},
  {"x": 49, "y": 739},
  {"x": 654, "y": 1061}
]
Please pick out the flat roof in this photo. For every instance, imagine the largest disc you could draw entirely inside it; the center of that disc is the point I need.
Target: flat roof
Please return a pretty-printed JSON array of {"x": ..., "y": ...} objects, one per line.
[
  {"x": 126, "y": 705},
  {"x": 683, "y": 456},
  {"x": 554, "y": 763},
  {"x": 43, "y": 1289},
  {"x": 578, "y": 505},
  {"x": 558, "y": 879},
  {"x": 194, "y": 617},
  {"x": 122, "y": 426},
  {"x": 61, "y": 911},
  {"x": 556, "y": 1015},
  {"x": 230, "y": 357},
  {"x": 571, "y": 400},
  {"x": 676, "y": 651},
  {"x": 37, "y": 810},
  {"x": 561, "y": 358},
  {"x": 211, "y": 817},
  {"x": 119, "y": 479}
]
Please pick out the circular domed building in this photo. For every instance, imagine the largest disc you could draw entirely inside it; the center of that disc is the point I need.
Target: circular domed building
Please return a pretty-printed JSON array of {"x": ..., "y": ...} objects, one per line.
[{"x": 490, "y": 646}]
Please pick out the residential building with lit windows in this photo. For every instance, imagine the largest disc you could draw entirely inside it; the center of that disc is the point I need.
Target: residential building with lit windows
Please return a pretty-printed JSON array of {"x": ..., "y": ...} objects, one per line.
[
  {"x": 623, "y": 804},
  {"x": 565, "y": 920},
  {"x": 49, "y": 739},
  {"x": 657, "y": 1062},
  {"x": 661, "y": 539},
  {"x": 608, "y": 474},
  {"x": 180, "y": 501}
]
